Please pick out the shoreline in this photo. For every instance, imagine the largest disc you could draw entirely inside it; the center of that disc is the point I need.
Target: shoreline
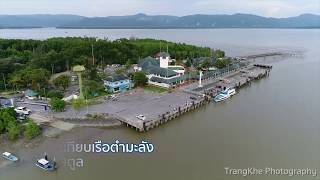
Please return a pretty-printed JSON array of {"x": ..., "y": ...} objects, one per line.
[
  {"x": 53, "y": 125},
  {"x": 160, "y": 108}
]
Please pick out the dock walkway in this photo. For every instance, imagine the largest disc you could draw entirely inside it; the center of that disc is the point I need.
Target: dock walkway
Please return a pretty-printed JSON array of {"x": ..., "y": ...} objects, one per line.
[
  {"x": 173, "y": 105},
  {"x": 161, "y": 108}
]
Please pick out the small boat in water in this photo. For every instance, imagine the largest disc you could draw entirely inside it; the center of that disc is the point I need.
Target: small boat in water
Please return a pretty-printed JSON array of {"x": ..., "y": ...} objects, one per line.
[
  {"x": 46, "y": 164},
  {"x": 225, "y": 94},
  {"x": 9, "y": 156}
]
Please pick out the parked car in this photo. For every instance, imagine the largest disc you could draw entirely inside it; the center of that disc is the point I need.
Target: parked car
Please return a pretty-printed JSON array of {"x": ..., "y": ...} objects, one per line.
[
  {"x": 21, "y": 116},
  {"x": 193, "y": 98},
  {"x": 111, "y": 97},
  {"x": 141, "y": 117},
  {"x": 23, "y": 110}
]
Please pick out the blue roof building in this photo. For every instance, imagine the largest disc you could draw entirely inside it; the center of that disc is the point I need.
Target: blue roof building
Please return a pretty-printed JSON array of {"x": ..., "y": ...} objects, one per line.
[
  {"x": 117, "y": 83},
  {"x": 31, "y": 94}
]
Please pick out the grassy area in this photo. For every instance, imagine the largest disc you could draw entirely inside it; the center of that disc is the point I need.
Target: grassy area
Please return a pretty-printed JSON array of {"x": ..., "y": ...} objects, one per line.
[
  {"x": 156, "y": 89},
  {"x": 4, "y": 93}
]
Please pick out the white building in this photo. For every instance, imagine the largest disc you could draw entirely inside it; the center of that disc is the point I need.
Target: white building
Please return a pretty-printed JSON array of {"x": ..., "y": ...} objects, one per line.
[{"x": 160, "y": 73}]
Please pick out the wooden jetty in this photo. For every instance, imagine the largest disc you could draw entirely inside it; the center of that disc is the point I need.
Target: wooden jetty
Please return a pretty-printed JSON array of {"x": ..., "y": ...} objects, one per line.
[
  {"x": 266, "y": 66},
  {"x": 263, "y": 55}
]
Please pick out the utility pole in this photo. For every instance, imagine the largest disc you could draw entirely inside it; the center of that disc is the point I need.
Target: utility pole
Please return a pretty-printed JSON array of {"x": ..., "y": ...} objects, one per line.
[
  {"x": 52, "y": 68},
  {"x": 4, "y": 82},
  {"x": 44, "y": 91},
  {"x": 92, "y": 55},
  {"x": 67, "y": 63}
]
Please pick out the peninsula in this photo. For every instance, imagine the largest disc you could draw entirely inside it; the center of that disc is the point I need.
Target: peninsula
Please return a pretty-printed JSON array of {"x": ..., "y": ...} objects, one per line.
[{"x": 140, "y": 83}]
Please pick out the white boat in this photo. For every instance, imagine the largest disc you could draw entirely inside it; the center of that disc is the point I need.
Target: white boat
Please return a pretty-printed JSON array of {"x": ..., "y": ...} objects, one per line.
[
  {"x": 225, "y": 94},
  {"x": 9, "y": 156},
  {"x": 46, "y": 164}
]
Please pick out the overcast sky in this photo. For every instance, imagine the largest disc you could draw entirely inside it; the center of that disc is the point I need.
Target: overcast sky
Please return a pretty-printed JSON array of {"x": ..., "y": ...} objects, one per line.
[{"x": 273, "y": 8}]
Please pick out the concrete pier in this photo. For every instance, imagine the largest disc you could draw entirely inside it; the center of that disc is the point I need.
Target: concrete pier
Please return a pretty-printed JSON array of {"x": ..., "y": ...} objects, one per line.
[
  {"x": 200, "y": 95},
  {"x": 159, "y": 108}
]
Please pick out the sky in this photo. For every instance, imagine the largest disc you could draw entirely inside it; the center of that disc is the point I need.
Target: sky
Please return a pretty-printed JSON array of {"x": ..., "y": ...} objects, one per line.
[{"x": 91, "y": 8}]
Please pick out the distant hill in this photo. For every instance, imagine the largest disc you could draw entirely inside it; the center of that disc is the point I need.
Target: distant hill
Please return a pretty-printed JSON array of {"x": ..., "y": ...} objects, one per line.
[
  {"x": 36, "y": 20},
  {"x": 161, "y": 21}
]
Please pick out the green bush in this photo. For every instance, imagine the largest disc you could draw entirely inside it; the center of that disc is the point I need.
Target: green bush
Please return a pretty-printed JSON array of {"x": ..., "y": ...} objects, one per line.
[
  {"x": 222, "y": 63},
  {"x": 93, "y": 89},
  {"x": 78, "y": 103},
  {"x": 55, "y": 94},
  {"x": 57, "y": 105},
  {"x": 140, "y": 79},
  {"x": 13, "y": 130},
  {"x": 32, "y": 130},
  {"x": 62, "y": 82}
]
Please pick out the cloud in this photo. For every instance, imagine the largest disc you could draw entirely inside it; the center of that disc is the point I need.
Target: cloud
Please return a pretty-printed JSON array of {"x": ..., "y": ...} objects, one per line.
[{"x": 274, "y": 8}]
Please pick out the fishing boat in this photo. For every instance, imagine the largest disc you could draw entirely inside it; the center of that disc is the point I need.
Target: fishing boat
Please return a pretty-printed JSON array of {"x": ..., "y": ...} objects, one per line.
[
  {"x": 225, "y": 94},
  {"x": 46, "y": 164},
  {"x": 9, "y": 156}
]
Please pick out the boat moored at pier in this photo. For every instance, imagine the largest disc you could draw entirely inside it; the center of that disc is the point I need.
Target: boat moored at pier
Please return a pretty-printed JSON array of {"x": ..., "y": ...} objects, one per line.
[{"x": 224, "y": 94}]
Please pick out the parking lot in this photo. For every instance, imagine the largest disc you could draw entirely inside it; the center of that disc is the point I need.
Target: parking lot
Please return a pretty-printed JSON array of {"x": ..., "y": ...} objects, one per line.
[{"x": 133, "y": 103}]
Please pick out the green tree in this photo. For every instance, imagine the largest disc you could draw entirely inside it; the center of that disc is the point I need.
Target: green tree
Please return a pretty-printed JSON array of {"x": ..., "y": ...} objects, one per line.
[
  {"x": 32, "y": 130},
  {"x": 2, "y": 126},
  {"x": 218, "y": 53},
  {"x": 54, "y": 94},
  {"x": 8, "y": 123},
  {"x": 128, "y": 64},
  {"x": 140, "y": 79},
  {"x": 222, "y": 63},
  {"x": 188, "y": 63},
  {"x": 13, "y": 130},
  {"x": 28, "y": 63},
  {"x": 206, "y": 63},
  {"x": 7, "y": 118},
  {"x": 9, "y": 111},
  {"x": 57, "y": 105},
  {"x": 93, "y": 89},
  {"x": 16, "y": 81},
  {"x": 30, "y": 77},
  {"x": 62, "y": 81},
  {"x": 92, "y": 73},
  {"x": 38, "y": 77}
]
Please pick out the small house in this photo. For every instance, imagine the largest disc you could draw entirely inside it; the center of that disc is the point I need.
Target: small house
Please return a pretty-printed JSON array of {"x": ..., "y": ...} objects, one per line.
[
  {"x": 6, "y": 102},
  {"x": 117, "y": 83},
  {"x": 30, "y": 94}
]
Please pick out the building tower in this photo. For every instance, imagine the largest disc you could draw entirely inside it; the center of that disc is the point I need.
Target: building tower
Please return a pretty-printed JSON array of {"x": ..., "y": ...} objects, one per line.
[
  {"x": 79, "y": 69},
  {"x": 164, "y": 59}
]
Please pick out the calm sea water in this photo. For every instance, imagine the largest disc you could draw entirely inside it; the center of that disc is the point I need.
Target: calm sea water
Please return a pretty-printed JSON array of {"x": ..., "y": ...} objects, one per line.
[{"x": 273, "y": 123}]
